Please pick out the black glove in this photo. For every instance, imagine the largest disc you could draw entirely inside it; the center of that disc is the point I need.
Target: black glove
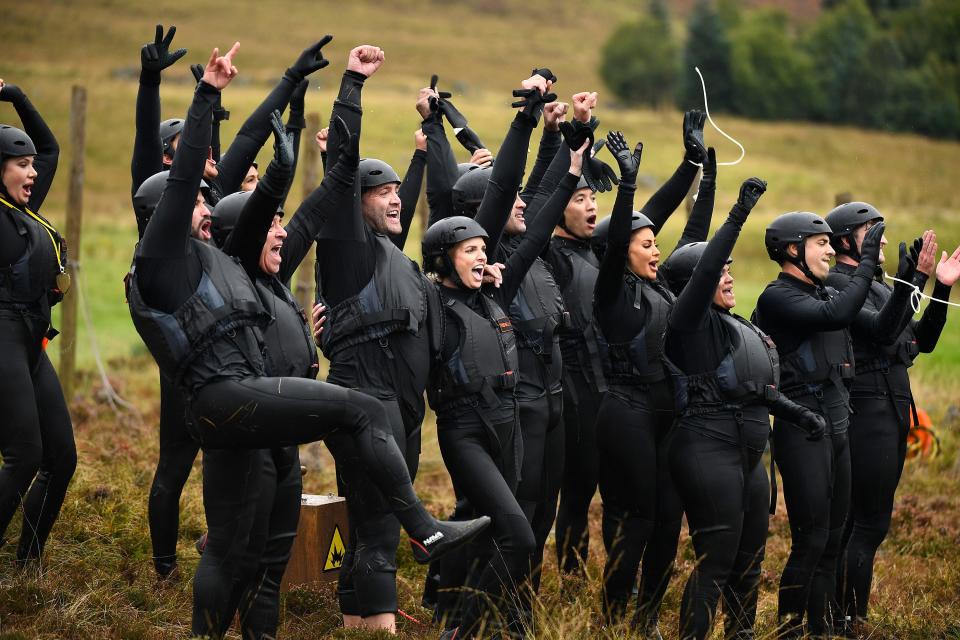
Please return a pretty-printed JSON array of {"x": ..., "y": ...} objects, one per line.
[
  {"x": 156, "y": 56},
  {"x": 750, "y": 192},
  {"x": 575, "y": 133},
  {"x": 469, "y": 139},
  {"x": 310, "y": 60},
  {"x": 599, "y": 176},
  {"x": 870, "y": 247},
  {"x": 628, "y": 162},
  {"x": 814, "y": 424},
  {"x": 297, "y": 97},
  {"x": 197, "y": 70},
  {"x": 532, "y": 101},
  {"x": 348, "y": 147},
  {"x": 693, "y": 121},
  {"x": 546, "y": 74},
  {"x": 12, "y": 93},
  {"x": 219, "y": 113},
  {"x": 907, "y": 264},
  {"x": 709, "y": 178},
  {"x": 282, "y": 141}
]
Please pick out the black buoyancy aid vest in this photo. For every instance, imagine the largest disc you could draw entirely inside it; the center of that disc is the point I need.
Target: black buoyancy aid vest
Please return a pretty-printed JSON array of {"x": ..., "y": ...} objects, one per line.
[
  {"x": 485, "y": 361},
  {"x": 748, "y": 374},
  {"x": 290, "y": 350},
  {"x": 394, "y": 300},
  {"x": 578, "y": 300},
  {"x": 872, "y": 356},
  {"x": 224, "y": 313},
  {"x": 638, "y": 361},
  {"x": 537, "y": 311},
  {"x": 31, "y": 281},
  {"x": 825, "y": 357}
]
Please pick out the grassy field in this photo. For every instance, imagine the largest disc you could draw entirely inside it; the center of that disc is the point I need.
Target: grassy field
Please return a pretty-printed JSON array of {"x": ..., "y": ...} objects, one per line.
[{"x": 98, "y": 581}]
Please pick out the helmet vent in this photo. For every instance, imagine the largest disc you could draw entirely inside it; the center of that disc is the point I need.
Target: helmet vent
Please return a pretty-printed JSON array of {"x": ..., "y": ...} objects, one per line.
[
  {"x": 376, "y": 172},
  {"x": 863, "y": 211},
  {"x": 20, "y": 143},
  {"x": 817, "y": 221}
]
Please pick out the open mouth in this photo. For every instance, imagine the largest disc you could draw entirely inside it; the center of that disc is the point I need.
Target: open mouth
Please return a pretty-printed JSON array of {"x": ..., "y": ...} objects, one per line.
[
  {"x": 28, "y": 189},
  {"x": 275, "y": 250},
  {"x": 477, "y": 273},
  {"x": 204, "y": 229},
  {"x": 654, "y": 265},
  {"x": 592, "y": 219}
]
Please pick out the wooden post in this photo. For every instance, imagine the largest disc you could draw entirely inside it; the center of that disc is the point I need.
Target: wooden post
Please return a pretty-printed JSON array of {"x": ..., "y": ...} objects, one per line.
[
  {"x": 309, "y": 156},
  {"x": 68, "y": 335}
]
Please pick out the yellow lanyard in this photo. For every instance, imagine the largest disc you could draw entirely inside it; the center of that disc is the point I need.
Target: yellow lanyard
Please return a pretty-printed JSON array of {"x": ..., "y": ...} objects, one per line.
[{"x": 46, "y": 226}]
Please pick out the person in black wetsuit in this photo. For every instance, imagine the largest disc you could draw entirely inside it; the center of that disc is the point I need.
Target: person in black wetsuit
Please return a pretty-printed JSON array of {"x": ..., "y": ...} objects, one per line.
[
  {"x": 575, "y": 269},
  {"x": 886, "y": 340},
  {"x": 809, "y": 324},
  {"x": 631, "y": 305},
  {"x": 36, "y": 441},
  {"x": 472, "y": 386},
  {"x": 724, "y": 373},
  {"x": 203, "y": 320},
  {"x": 377, "y": 342},
  {"x": 154, "y": 146},
  {"x": 537, "y": 313}
]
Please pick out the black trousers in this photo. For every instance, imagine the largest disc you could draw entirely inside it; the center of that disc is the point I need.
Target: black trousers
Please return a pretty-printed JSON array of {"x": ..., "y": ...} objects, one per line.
[
  {"x": 878, "y": 448},
  {"x": 716, "y": 467},
  {"x": 480, "y": 459},
  {"x": 178, "y": 450},
  {"x": 542, "y": 468},
  {"x": 816, "y": 487},
  {"x": 36, "y": 434},
  {"x": 580, "y": 471},
  {"x": 640, "y": 504},
  {"x": 367, "y": 583}
]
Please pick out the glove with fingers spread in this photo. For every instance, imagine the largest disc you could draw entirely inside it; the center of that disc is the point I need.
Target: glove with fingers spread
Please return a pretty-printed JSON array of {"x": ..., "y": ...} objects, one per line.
[
  {"x": 532, "y": 102},
  {"x": 629, "y": 162},
  {"x": 696, "y": 151},
  {"x": 870, "y": 247},
  {"x": 310, "y": 60},
  {"x": 598, "y": 175},
  {"x": 156, "y": 56},
  {"x": 907, "y": 264}
]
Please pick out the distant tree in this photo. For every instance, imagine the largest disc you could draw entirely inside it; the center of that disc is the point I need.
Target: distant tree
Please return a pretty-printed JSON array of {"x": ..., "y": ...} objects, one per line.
[
  {"x": 639, "y": 62},
  {"x": 773, "y": 79},
  {"x": 707, "y": 47}
]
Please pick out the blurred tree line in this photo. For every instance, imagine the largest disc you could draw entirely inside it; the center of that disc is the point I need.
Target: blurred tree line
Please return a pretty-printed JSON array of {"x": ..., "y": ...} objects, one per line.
[{"x": 882, "y": 64}]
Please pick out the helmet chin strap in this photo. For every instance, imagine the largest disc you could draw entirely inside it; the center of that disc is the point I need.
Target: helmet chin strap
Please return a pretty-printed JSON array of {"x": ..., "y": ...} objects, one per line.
[
  {"x": 454, "y": 275},
  {"x": 800, "y": 261},
  {"x": 851, "y": 249}
]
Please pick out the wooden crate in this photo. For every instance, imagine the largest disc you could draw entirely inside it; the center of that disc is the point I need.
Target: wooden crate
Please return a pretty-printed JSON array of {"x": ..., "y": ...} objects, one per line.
[{"x": 321, "y": 542}]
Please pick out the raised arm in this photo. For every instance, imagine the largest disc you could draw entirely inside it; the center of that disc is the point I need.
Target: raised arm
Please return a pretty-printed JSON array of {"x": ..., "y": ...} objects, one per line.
[
  {"x": 48, "y": 151},
  {"x": 166, "y": 235},
  {"x": 690, "y": 310},
  {"x": 553, "y": 114},
  {"x": 697, "y": 228},
  {"x": 441, "y": 163},
  {"x": 409, "y": 190},
  {"x": 934, "y": 318},
  {"x": 256, "y": 129}
]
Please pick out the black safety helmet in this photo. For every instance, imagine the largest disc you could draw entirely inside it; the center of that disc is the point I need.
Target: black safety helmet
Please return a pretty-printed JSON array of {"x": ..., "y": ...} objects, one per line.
[
  {"x": 170, "y": 129},
  {"x": 469, "y": 189},
  {"x": 581, "y": 184},
  {"x": 846, "y": 219},
  {"x": 226, "y": 214},
  {"x": 794, "y": 228},
  {"x": 679, "y": 267},
  {"x": 442, "y": 236},
  {"x": 374, "y": 173},
  {"x": 148, "y": 195},
  {"x": 464, "y": 167},
  {"x": 598, "y": 239},
  {"x": 15, "y": 143}
]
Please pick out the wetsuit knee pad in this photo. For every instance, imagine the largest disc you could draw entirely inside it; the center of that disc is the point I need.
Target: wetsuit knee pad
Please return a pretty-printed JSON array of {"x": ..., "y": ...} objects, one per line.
[{"x": 811, "y": 541}]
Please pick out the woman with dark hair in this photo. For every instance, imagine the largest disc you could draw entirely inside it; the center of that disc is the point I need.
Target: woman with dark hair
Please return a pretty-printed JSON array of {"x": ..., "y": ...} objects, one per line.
[{"x": 39, "y": 454}]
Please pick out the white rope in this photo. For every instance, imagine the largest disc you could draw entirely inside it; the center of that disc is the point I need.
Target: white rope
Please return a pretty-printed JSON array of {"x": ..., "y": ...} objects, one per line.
[
  {"x": 917, "y": 295},
  {"x": 113, "y": 398},
  {"x": 706, "y": 109}
]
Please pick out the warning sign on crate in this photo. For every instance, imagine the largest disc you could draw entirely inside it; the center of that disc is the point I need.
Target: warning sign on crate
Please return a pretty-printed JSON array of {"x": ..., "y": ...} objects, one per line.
[{"x": 336, "y": 551}]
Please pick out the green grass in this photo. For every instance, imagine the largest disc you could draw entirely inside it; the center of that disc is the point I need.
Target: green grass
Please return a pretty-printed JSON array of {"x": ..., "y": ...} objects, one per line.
[{"x": 98, "y": 581}]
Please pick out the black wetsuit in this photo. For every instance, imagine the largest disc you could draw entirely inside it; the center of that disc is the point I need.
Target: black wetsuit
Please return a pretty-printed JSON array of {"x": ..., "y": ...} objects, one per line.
[
  {"x": 479, "y": 435},
  {"x": 539, "y": 390},
  {"x": 392, "y": 367},
  {"x": 583, "y": 384},
  {"x": 177, "y": 448},
  {"x": 882, "y": 402},
  {"x": 716, "y": 448},
  {"x": 36, "y": 441},
  {"x": 233, "y": 402},
  {"x": 641, "y": 510},
  {"x": 816, "y": 474}
]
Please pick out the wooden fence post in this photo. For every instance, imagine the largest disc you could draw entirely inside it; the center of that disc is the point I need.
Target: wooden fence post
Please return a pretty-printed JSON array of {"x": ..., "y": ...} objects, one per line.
[{"x": 68, "y": 335}]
